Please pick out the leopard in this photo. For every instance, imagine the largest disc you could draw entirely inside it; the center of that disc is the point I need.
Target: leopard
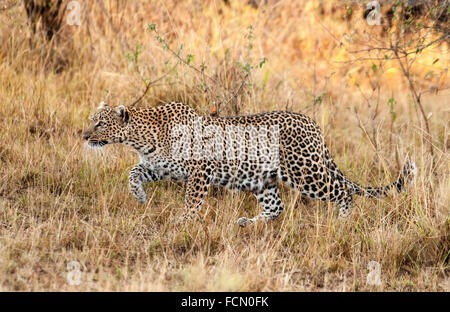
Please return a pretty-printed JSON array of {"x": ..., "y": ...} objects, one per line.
[{"x": 175, "y": 143}]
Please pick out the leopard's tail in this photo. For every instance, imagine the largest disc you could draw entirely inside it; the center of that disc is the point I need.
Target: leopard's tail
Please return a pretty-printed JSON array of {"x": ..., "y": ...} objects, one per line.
[{"x": 407, "y": 175}]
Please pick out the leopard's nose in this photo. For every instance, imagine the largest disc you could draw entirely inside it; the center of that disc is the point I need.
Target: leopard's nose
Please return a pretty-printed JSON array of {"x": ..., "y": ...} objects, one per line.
[{"x": 86, "y": 135}]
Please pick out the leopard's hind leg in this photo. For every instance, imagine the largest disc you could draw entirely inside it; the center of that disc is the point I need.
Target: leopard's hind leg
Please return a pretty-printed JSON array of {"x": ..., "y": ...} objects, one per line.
[
  {"x": 345, "y": 206},
  {"x": 196, "y": 192},
  {"x": 270, "y": 201}
]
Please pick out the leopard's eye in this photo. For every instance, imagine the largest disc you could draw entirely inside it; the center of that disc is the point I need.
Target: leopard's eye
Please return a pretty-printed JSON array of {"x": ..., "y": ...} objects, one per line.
[{"x": 99, "y": 124}]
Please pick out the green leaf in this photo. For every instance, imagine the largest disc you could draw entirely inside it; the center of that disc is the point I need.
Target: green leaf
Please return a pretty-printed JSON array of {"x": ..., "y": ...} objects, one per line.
[
  {"x": 189, "y": 59},
  {"x": 319, "y": 98},
  {"x": 374, "y": 67},
  {"x": 247, "y": 68},
  {"x": 263, "y": 61},
  {"x": 152, "y": 27},
  {"x": 391, "y": 103}
]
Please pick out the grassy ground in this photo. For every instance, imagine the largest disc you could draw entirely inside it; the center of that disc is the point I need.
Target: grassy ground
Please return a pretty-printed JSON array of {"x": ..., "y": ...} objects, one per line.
[{"x": 61, "y": 202}]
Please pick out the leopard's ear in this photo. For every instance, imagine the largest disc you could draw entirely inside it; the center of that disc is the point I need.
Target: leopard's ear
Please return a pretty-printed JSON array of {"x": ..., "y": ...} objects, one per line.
[
  {"x": 102, "y": 105},
  {"x": 122, "y": 113}
]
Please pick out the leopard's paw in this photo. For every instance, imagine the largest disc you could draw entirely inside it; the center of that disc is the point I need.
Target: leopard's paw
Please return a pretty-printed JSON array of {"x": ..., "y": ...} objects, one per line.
[
  {"x": 184, "y": 218},
  {"x": 243, "y": 222},
  {"x": 141, "y": 199}
]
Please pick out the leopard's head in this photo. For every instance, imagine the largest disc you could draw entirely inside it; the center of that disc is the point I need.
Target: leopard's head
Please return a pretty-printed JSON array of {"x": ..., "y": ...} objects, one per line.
[{"x": 108, "y": 126}]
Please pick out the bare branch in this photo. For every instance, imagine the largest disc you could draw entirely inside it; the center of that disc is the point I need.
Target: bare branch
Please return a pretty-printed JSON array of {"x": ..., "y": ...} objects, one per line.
[
  {"x": 148, "y": 85},
  {"x": 233, "y": 95}
]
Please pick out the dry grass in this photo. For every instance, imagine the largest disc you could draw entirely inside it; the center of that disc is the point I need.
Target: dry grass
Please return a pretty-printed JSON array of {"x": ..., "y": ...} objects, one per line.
[{"x": 60, "y": 202}]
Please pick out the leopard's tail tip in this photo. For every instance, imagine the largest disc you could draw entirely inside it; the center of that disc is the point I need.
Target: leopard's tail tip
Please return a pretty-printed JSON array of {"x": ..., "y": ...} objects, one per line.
[
  {"x": 414, "y": 168},
  {"x": 410, "y": 171}
]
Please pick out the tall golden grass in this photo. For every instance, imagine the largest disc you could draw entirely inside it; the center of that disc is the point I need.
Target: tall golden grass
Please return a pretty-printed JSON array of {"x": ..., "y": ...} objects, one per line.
[{"x": 61, "y": 202}]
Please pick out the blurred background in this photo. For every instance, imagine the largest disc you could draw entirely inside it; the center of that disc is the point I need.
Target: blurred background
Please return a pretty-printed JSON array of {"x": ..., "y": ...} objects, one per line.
[{"x": 373, "y": 74}]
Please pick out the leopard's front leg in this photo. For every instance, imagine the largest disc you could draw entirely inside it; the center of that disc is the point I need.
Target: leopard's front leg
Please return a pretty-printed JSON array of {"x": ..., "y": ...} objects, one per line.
[{"x": 138, "y": 175}]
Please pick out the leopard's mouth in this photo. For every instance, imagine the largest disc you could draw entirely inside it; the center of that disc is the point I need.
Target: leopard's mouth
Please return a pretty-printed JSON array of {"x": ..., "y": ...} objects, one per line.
[{"x": 96, "y": 143}]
